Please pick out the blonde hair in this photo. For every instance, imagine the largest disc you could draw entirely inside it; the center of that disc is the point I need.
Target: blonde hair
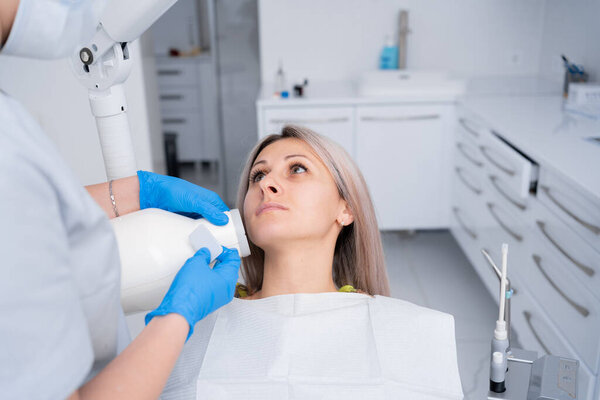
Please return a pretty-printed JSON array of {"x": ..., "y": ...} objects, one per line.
[{"x": 358, "y": 257}]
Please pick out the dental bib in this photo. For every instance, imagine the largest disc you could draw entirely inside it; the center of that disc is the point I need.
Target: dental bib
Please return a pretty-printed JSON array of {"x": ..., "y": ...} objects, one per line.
[{"x": 319, "y": 346}]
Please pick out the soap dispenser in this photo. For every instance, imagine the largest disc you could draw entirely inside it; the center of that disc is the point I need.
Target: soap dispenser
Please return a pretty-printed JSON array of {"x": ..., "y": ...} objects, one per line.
[{"x": 389, "y": 55}]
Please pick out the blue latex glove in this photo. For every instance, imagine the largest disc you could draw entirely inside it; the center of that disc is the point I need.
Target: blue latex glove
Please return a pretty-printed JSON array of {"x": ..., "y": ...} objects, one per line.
[
  {"x": 198, "y": 290},
  {"x": 180, "y": 196}
]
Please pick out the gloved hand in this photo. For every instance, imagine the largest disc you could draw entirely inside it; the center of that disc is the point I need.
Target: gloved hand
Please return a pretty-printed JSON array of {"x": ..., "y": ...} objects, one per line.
[
  {"x": 198, "y": 290},
  {"x": 177, "y": 195}
]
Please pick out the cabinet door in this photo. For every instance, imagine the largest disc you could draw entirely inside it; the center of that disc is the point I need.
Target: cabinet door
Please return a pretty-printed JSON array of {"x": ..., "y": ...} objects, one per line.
[
  {"x": 336, "y": 123},
  {"x": 400, "y": 150}
]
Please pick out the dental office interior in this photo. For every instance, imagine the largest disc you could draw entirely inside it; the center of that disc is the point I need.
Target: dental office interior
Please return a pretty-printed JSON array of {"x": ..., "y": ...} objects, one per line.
[{"x": 475, "y": 123}]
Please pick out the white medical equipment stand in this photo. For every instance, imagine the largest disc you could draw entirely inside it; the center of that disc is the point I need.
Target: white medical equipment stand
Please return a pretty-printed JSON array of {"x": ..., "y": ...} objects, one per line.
[
  {"x": 529, "y": 377},
  {"x": 103, "y": 65}
]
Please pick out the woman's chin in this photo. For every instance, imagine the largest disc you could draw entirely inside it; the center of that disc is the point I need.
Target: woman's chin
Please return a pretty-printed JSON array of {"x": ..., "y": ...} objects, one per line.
[{"x": 265, "y": 233}]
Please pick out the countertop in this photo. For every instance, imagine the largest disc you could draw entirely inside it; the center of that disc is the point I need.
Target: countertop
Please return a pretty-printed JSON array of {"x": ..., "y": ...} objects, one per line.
[
  {"x": 527, "y": 111},
  {"x": 347, "y": 93},
  {"x": 540, "y": 128}
]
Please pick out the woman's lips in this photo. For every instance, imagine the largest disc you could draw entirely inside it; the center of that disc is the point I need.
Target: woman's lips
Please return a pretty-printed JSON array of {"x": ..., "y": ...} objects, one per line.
[{"x": 270, "y": 207}]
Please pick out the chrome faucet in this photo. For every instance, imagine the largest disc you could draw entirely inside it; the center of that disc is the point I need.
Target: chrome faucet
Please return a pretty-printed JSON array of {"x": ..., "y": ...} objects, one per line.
[{"x": 403, "y": 30}]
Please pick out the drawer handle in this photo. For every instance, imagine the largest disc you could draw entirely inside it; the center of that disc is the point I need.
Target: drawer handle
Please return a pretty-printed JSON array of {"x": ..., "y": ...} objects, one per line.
[
  {"x": 171, "y": 97},
  {"x": 174, "y": 120},
  {"x": 403, "y": 118},
  {"x": 588, "y": 225},
  {"x": 527, "y": 315},
  {"x": 169, "y": 72},
  {"x": 456, "y": 212},
  {"x": 581, "y": 309},
  {"x": 587, "y": 270},
  {"x": 484, "y": 150},
  {"x": 310, "y": 121},
  {"x": 459, "y": 172},
  {"x": 494, "y": 180},
  {"x": 461, "y": 148},
  {"x": 464, "y": 124},
  {"x": 516, "y": 236}
]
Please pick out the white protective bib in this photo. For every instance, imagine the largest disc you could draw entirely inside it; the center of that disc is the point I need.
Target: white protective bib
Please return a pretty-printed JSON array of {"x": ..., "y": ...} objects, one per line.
[{"x": 320, "y": 346}]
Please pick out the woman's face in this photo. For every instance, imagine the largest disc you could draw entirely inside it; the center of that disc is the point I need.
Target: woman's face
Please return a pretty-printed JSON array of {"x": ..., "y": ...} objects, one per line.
[{"x": 291, "y": 196}]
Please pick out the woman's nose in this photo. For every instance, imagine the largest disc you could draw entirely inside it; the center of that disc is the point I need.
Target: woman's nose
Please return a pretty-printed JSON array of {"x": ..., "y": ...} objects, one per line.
[{"x": 268, "y": 185}]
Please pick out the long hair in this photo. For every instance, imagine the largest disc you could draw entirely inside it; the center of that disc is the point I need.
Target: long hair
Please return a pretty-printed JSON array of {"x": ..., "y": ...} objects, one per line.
[{"x": 358, "y": 257}]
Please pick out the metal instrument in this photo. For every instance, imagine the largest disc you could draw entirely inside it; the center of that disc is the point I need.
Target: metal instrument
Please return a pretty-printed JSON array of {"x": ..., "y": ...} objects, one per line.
[{"x": 527, "y": 376}]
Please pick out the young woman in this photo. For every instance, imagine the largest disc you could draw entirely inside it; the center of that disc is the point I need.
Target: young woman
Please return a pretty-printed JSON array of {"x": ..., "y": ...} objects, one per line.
[
  {"x": 312, "y": 319},
  {"x": 310, "y": 219}
]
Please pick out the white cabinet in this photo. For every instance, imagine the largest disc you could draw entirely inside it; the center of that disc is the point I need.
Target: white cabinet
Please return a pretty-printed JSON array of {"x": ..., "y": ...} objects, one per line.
[
  {"x": 400, "y": 150},
  {"x": 553, "y": 254},
  {"x": 187, "y": 94},
  {"x": 336, "y": 123}
]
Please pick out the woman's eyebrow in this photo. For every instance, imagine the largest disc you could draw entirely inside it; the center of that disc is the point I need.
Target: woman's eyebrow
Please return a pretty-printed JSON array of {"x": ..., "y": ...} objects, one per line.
[
  {"x": 286, "y": 157},
  {"x": 296, "y": 155}
]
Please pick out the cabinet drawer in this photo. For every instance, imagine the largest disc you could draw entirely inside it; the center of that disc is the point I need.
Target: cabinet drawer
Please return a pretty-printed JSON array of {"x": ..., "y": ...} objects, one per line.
[
  {"x": 533, "y": 331},
  {"x": 471, "y": 127},
  {"x": 573, "y": 309},
  {"x": 179, "y": 99},
  {"x": 188, "y": 128},
  {"x": 576, "y": 256},
  {"x": 468, "y": 151},
  {"x": 176, "y": 73},
  {"x": 578, "y": 209},
  {"x": 500, "y": 190},
  {"x": 336, "y": 123},
  {"x": 506, "y": 163}
]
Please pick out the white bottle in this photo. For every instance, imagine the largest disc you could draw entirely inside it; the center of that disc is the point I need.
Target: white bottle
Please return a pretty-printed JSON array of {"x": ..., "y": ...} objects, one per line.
[
  {"x": 154, "y": 244},
  {"x": 280, "y": 83}
]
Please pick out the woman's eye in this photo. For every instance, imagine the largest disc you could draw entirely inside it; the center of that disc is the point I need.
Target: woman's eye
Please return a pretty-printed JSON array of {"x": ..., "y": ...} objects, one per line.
[
  {"x": 257, "y": 176},
  {"x": 298, "y": 169}
]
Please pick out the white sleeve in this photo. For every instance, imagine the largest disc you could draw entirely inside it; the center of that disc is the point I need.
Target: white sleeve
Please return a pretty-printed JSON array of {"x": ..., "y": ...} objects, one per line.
[{"x": 45, "y": 345}]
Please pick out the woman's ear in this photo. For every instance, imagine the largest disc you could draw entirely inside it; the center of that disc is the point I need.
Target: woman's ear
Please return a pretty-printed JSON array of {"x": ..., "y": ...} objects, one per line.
[{"x": 345, "y": 216}]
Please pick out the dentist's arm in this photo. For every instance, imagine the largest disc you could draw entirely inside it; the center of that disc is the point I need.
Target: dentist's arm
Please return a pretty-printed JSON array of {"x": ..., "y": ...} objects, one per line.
[
  {"x": 142, "y": 369},
  {"x": 126, "y": 192},
  {"x": 150, "y": 190}
]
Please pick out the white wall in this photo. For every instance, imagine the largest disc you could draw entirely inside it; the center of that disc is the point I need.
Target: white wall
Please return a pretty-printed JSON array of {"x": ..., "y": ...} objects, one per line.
[
  {"x": 571, "y": 28},
  {"x": 50, "y": 91},
  {"x": 338, "y": 39}
]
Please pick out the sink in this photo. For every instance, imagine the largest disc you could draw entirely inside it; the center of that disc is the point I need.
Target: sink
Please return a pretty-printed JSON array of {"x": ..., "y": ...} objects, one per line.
[{"x": 408, "y": 83}]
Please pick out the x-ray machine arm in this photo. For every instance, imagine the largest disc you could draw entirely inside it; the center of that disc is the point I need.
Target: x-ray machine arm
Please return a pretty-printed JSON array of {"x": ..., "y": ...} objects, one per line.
[{"x": 103, "y": 65}]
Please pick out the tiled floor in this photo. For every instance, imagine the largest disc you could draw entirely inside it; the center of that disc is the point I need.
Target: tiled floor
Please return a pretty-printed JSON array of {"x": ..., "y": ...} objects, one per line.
[{"x": 429, "y": 269}]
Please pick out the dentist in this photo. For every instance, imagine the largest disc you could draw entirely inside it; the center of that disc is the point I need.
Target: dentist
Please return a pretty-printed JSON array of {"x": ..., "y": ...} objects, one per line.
[{"x": 62, "y": 330}]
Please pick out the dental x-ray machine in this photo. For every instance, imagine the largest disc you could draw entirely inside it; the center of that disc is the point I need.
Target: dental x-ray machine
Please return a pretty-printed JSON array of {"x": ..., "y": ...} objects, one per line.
[{"x": 148, "y": 263}]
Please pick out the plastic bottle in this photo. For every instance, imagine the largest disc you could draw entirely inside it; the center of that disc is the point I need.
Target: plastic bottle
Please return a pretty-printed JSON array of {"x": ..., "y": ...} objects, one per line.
[
  {"x": 389, "y": 55},
  {"x": 280, "y": 83},
  {"x": 154, "y": 244}
]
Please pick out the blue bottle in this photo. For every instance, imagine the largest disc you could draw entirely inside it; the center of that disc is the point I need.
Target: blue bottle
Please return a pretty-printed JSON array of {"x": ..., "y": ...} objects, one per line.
[{"x": 389, "y": 55}]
